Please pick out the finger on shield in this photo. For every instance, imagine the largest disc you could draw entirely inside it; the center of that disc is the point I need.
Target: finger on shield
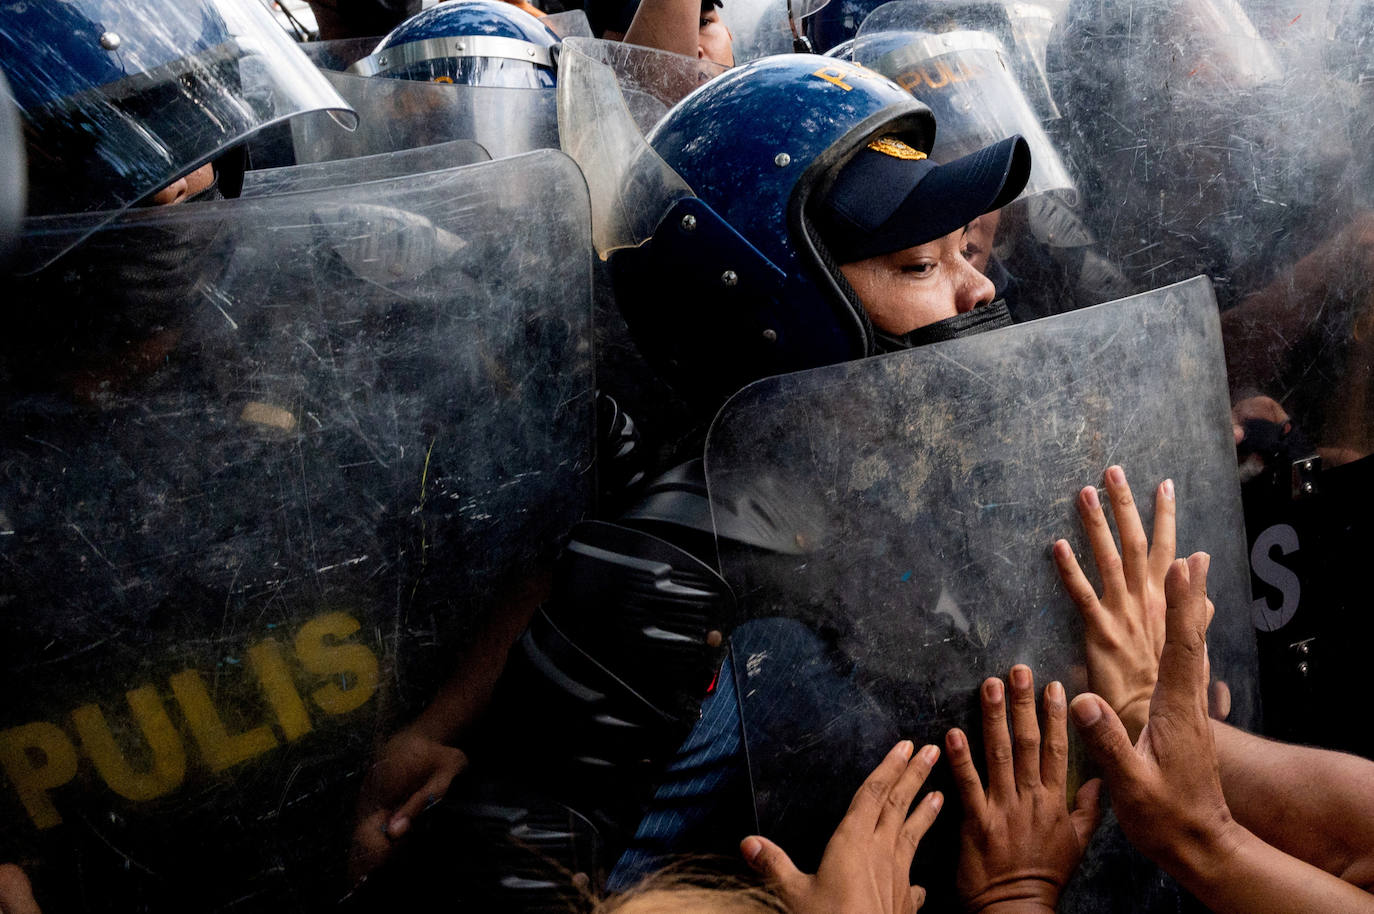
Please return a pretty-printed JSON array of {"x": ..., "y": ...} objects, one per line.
[
  {"x": 1025, "y": 728},
  {"x": 1103, "y": 545},
  {"x": 1135, "y": 548},
  {"x": 996, "y": 739}
]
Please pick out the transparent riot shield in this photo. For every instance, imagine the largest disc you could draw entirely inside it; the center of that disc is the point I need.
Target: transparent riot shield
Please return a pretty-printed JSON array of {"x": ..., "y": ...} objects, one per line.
[
  {"x": 340, "y": 172},
  {"x": 761, "y": 28},
  {"x": 271, "y": 467},
  {"x": 403, "y": 114},
  {"x": 900, "y": 513}
]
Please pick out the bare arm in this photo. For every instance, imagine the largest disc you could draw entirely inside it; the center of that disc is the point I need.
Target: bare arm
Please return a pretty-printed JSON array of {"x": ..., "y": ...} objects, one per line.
[
  {"x": 668, "y": 25},
  {"x": 1315, "y": 804},
  {"x": 1166, "y": 789}
]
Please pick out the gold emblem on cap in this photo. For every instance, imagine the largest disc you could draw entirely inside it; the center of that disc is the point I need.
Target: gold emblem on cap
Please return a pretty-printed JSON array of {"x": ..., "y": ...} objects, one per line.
[{"x": 891, "y": 146}]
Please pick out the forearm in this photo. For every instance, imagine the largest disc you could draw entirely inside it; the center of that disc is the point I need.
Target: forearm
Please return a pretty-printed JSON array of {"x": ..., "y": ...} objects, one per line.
[
  {"x": 1314, "y": 804},
  {"x": 668, "y": 25},
  {"x": 467, "y": 692},
  {"x": 1237, "y": 873}
]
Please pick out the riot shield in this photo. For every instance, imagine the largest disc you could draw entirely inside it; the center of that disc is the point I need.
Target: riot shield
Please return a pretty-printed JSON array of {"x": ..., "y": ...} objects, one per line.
[
  {"x": 269, "y": 466},
  {"x": 899, "y": 551},
  {"x": 761, "y": 28},
  {"x": 398, "y": 114},
  {"x": 340, "y": 172}
]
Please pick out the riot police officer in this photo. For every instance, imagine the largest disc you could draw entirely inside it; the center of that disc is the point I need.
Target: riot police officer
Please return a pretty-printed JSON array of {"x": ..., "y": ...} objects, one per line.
[{"x": 799, "y": 246}]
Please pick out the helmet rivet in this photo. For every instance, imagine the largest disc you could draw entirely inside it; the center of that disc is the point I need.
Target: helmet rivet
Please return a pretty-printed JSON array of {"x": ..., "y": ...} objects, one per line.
[
  {"x": 782, "y": 160},
  {"x": 381, "y": 61},
  {"x": 730, "y": 278},
  {"x": 529, "y": 51},
  {"x": 770, "y": 335},
  {"x": 110, "y": 41},
  {"x": 689, "y": 223},
  {"x": 458, "y": 45}
]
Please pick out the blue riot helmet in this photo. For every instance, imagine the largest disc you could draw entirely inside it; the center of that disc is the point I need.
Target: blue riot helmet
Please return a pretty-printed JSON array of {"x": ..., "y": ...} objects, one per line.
[
  {"x": 120, "y": 99},
  {"x": 467, "y": 42},
  {"x": 795, "y": 164}
]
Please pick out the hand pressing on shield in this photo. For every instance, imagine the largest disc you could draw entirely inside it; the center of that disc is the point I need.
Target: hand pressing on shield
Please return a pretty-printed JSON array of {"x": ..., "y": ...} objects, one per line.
[
  {"x": 1019, "y": 842},
  {"x": 867, "y": 864},
  {"x": 1167, "y": 791},
  {"x": 1124, "y": 627}
]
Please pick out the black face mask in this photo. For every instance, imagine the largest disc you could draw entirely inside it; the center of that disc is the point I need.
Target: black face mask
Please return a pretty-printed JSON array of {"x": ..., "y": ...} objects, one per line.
[{"x": 989, "y": 317}]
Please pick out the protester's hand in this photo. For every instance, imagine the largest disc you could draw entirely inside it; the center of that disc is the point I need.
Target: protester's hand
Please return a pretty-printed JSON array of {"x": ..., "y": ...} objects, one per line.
[
  {"x": 1124, "y": 627},
  {"x": 411, "y": 773},
  {"x": 16, "y": 895},
  {"x": 1019, "y": 843},
  {"x": 1166, "y": 789},
  {"x": 867, "y": 864}
]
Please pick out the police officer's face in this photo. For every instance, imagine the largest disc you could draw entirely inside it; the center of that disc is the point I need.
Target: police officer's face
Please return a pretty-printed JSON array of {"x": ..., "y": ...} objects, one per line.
[
  {"x": 714, "y": 41},
  {"x": 906, "y": 290}
]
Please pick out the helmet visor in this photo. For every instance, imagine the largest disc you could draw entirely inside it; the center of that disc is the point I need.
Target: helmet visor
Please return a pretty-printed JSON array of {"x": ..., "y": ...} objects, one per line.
[{"x": 131, "y": 97}]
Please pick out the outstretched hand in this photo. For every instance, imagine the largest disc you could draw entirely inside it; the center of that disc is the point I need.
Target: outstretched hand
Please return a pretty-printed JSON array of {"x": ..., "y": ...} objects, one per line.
[
  {"x": 1124, "y": 627},
  {"x": 1019, "y": 843},
  {"x": 1166, "y": 788},
  {"x": 867, "y": 864}
]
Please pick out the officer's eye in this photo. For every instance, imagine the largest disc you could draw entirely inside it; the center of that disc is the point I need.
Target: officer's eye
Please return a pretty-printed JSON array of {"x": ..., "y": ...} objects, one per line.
[
  {"x": 703, "y": 23},
  {"x": 918, "y": 269}
]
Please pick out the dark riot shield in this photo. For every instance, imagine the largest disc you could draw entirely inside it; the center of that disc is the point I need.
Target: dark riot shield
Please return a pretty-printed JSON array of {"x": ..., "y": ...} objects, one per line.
[
  {"x": 396, "y": 114},
  {"x": 268, "y": 465},
  {"x": 340, "y": 172},
  {"x": 886, "y": 525}
]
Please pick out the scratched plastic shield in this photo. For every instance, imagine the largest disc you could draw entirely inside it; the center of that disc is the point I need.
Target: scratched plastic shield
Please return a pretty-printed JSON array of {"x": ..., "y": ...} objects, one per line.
[
  {"x": 339, "y": 172},
  {"x": 267, "y": 465},
  {"x": 903, "y": 508}
]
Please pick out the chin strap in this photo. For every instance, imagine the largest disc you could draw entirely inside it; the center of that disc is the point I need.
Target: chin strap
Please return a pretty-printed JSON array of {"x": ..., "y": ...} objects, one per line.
[{"x": 980, "y": 320}]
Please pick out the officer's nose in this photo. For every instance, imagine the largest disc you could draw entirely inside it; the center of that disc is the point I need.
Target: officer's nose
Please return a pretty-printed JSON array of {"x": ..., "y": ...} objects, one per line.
[{"x": 975, "y": 289}]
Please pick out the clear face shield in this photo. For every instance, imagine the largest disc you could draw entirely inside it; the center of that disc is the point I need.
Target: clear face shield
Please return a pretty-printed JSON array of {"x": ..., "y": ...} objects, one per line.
[
  {"x": 1022, "y": 29},
  {"x": 609, "y": 96},
  {"x": 155, "y": 90}
]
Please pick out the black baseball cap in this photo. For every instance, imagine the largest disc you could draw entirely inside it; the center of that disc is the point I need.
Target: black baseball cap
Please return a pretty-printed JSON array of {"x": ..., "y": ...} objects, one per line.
[{"x": 891, "y": 196}]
